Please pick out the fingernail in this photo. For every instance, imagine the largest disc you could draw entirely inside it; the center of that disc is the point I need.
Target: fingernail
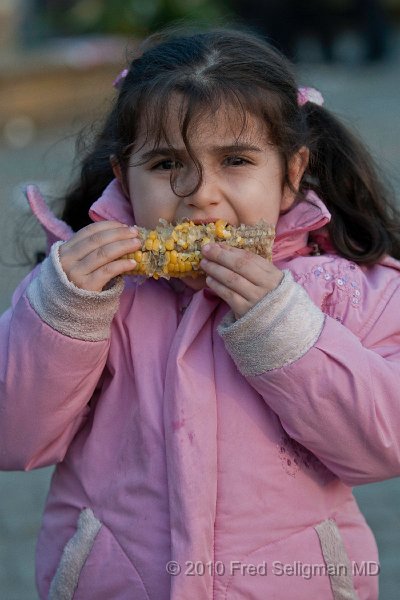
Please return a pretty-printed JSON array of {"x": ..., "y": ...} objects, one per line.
[
  {"x": 206, "y": 247},
  {"x": 133, "y": 229}
]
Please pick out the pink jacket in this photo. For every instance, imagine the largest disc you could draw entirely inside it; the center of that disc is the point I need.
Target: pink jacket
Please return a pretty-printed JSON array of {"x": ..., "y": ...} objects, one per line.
[{"x": 180, "y": 434}]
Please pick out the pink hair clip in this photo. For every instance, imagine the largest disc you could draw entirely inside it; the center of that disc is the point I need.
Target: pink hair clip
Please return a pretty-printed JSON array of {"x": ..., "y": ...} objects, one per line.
[
  {"x": 309, "y": 94},
  {"x": 120, "y": 78}
]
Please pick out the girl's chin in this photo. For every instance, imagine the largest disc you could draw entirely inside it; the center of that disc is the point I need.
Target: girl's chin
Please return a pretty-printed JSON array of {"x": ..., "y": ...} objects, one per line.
[{"x": 195, "y": 283}]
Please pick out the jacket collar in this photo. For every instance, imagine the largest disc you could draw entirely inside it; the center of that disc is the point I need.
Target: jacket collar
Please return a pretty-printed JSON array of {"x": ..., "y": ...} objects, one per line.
[
  {"x": 294, "y": 227},
  {"x": 113, "y": 205}
]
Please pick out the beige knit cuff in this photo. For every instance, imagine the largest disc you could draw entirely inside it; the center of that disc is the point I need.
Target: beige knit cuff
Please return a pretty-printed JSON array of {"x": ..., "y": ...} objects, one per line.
[
  {"x": 74, "y": 312},
  {"x": 275, "y": 332}
]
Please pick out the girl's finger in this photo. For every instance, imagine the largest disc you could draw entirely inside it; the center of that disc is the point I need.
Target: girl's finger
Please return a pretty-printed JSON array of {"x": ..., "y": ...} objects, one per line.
[
  {"x": 96, "y": 281},
  {"x": 106, "y": 254},
  {"x": 80, "y": 246},
  {"x": 247, "y": 264},
  {"x": 231, "y": 280},
  {"x": 238, "y": 303},
  {"x": 98, "y": 226}
]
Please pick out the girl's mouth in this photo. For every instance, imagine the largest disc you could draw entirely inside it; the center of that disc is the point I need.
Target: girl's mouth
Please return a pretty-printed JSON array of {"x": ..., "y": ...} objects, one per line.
[{"x": 206, "y": 220}]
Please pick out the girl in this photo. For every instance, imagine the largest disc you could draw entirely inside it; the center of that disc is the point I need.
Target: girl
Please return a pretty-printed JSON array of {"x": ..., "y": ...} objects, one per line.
[{"x": 207, "y": 431}]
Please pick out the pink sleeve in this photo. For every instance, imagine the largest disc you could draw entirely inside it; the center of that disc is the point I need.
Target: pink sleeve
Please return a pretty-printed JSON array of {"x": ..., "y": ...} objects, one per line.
[
  {"x": 341, "y": 399},
  {"x": 46, "y": 382}
]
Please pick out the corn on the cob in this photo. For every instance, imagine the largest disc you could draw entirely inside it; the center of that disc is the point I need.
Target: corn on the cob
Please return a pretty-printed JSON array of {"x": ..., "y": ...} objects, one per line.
[{"x": 175, "y": 250}]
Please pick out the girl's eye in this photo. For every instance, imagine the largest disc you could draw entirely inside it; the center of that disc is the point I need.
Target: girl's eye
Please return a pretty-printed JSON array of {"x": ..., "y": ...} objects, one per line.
[
  {"x": 166, "y": 165},
  {"x": 236, "y": 161}
]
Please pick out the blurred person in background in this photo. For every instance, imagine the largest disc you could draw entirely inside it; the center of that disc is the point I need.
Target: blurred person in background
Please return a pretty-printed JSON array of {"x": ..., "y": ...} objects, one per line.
[{"x": 283, "y": 22}]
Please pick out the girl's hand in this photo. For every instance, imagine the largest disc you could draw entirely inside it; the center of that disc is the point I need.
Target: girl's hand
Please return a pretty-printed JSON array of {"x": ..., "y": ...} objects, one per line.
[
  {"x": 91, "y": 258},
  {"x": 239, "y": 277}
]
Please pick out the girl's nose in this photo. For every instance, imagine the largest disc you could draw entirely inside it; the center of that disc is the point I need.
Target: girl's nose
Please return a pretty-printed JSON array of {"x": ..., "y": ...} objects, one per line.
[{"x": 205, "y": 191}]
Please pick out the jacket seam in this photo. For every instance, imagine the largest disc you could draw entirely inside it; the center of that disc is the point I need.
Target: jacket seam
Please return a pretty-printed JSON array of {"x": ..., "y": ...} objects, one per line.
[
  {"x": 282, "y": 539},
  {"x": 265, "y": 546},
  {"x": 366, "y": 327},
  {"x": 126, "y": 555},
  {"x": 216, "y": 484}
]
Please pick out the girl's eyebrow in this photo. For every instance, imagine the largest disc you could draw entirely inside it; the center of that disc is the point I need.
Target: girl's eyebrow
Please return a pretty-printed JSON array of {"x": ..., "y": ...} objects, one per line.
[
  {"x": 179, "y": 152},
  {"x": 236, "y": 148},
  {"x": 146, "y": 156}
]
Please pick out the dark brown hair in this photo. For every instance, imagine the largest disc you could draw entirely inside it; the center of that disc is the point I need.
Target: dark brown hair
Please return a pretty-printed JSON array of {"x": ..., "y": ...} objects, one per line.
[{"x": 212, "y": 68}]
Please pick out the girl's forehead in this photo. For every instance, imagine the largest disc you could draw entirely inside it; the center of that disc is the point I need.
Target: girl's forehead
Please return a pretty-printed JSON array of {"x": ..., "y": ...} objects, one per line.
[{"x": 224, "y": 124}]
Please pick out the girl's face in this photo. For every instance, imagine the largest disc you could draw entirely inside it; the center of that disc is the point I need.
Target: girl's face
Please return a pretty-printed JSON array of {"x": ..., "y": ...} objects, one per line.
[{"x": 242, "y": 174}]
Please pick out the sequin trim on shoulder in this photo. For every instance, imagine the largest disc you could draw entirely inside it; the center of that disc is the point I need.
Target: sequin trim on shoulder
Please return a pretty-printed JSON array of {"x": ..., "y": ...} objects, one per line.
[{"x": 345, "y": 280}]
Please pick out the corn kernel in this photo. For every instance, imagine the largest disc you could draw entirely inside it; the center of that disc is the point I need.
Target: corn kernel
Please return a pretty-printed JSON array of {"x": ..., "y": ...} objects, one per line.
[
  {"x": 152, "y": 235},
  {"x": 138, "y": 255},
  {"x": 174, "y": 256},
  {"x": 148, "y": 244},
  {"x": 220, "y": 230},
  {"x": 169, "y": 244}
]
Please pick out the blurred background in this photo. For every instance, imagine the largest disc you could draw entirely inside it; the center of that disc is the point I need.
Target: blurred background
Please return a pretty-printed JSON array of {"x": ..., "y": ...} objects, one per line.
[{"x": 58, "y": 59}]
